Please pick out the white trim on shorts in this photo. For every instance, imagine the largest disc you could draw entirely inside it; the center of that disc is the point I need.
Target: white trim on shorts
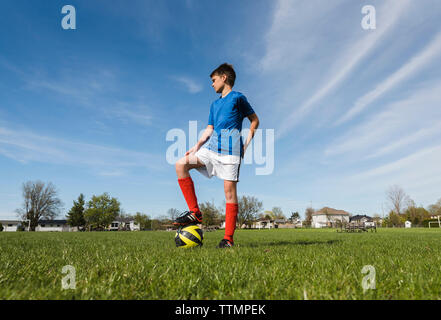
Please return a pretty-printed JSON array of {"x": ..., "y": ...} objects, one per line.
[{"x": 223, "y": 166}]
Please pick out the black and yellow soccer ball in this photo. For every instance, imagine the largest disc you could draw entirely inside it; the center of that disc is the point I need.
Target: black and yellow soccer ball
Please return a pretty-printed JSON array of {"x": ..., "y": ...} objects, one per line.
[{"x": 189, "y": 237}]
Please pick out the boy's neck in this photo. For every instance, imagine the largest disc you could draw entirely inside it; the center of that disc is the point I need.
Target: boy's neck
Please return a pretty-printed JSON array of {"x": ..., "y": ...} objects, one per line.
[{"x": 226, "y": 91}]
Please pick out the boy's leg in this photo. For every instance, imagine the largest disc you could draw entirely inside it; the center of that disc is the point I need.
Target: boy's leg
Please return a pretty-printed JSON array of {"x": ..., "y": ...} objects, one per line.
[
  {"x": 231, "y": 211},
  {"x": 183, "y": 167}
]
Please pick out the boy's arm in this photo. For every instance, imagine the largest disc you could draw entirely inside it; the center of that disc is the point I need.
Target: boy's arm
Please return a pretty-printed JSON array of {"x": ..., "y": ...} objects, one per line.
[
  {"x": 253, "y": 127},
  {"x": 205, "y": 136}
]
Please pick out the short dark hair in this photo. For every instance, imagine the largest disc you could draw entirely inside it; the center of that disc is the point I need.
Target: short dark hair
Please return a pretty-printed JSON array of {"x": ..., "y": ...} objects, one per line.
[{"x": 228, "y": 70}]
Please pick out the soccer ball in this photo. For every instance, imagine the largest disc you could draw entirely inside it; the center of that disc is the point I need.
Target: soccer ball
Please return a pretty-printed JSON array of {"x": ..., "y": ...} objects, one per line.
[{"x": 189, "y": 237}]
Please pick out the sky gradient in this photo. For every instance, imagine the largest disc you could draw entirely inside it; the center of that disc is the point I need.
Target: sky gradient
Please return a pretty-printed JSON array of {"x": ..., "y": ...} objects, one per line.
[{"x": 354, "y": 111}]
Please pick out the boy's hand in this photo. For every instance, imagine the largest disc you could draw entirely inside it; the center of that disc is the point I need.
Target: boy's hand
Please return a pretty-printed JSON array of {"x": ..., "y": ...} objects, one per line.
[{"x": 192, "y": 150}]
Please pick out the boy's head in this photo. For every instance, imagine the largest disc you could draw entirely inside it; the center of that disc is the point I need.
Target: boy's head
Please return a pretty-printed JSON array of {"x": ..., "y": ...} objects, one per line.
[{"x": 223, "y": 75}]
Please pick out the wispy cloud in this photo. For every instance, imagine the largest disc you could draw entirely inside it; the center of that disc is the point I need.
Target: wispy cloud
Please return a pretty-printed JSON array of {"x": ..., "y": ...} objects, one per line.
[
  {"x": 422, "y": 134},
  {"x": 392, "y": 124},
  {"x": 345, "y": 62},
  {"x": 93, "y": 90},
  {"x": 419, "y": 164},
  {"x": 422, "y": 59},
  {"x": 126, "y": 112},
  {"x": 27, "y": 147},
  {"x": 191, "y": 85}
]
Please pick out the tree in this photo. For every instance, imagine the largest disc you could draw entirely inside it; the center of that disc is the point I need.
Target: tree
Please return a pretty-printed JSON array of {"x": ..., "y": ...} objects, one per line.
[
  {"x": 75, "y": 217},
  {"x": 172, "y": 213},
  {"x": 101, "y": 211},
  {"x": 210, "y": 214},
  {"x": 248, "y": 209},
  {"x": 267, "y": 215},
  {"x": 294, "y": 216},
  {"x": 278, "y": 213},
  {"x": 40, "y": 202},
  {"x": 376, "y": 218},
  {"x": 394, "y": 219},
  {"x": 398, "y": 199},
  {"x": 415, "y": 214},
  {"x": 435, "y": 209},
  {"x": 308, "y": 216},
  {"x": 143, "y": 220}
]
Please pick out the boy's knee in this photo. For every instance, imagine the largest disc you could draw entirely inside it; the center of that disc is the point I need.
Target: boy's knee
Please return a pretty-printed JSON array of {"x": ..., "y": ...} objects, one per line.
[{"x": 179, "y": 165}]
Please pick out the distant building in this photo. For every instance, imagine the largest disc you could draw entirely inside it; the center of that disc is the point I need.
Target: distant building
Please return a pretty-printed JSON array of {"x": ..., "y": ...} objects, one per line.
[
  {"x": 62, "y": 225},
  {"x": 10, "y": 225},
  {"x": 276, "y": 224},
  {"x": 408, "y": 224},
  {"x": 52, "y": 226},
  {"x": 124, "y": 224},
  {"x": 329, "y": 217},
  {"x": 362, "y": 220}
]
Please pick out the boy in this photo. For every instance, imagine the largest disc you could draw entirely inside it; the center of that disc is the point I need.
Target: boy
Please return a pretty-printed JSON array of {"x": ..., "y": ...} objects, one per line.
[{"x": 222, "y": 155}]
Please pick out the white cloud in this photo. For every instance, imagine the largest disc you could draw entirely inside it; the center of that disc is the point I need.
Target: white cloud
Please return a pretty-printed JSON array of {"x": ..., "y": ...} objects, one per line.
[
  {"x": 423, "y": 163},
  {"x": 126, "y": 112},
  {"x": 410, "y": 68},
  {"x": 419, "y": 135},
  {"x": 28, "y": 147},
  {"x": 191, "y": 85},
  {"x": 91, "y": 90},
  {"x": 291, "y": 22},
  {"x": 417, "y": 112}
]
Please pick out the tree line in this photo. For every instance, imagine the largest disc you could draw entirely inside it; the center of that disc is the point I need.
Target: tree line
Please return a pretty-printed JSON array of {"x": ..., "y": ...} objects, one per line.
[
  {"x": 41, "y": 202},
  {"x": 402, "y": 208}
]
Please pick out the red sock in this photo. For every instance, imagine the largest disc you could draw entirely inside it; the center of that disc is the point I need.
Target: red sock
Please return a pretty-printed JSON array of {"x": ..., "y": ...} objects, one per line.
[
  {"x": 187, "y": 188},
  {"x": 230, "y": 220}
]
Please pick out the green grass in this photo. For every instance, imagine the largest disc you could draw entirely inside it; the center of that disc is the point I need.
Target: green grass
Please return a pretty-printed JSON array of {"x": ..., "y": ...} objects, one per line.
[{"x": 265, "y": 264}]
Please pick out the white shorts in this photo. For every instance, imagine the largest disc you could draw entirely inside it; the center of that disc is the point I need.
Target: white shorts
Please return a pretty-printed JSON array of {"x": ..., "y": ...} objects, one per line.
[{"x": 223, "y": 166}]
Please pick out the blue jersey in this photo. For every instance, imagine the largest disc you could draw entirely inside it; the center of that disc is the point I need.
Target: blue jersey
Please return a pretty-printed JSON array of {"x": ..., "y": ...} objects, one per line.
[{"x": 226, "y": 116}]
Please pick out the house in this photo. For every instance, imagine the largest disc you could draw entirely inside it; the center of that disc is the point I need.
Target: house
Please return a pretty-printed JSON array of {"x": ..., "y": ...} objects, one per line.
[
  {"x": 329, "y": 217},
  {"x": 43, "y": 225},
  {"x": 124, "y": 224},
  {"x": 275, "y": 224},
  {"x": 364, "y": 220},
  {"x": 296, "y": 223},
  {"x": 408, "y": 224},
  {"x": 52, "y": 226},
  {"x": 263, "y": 224},
  {"x": 10, "y": 225}
]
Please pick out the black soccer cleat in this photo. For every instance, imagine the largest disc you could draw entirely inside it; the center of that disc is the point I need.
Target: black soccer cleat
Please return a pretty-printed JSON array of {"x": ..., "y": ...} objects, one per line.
[
  {"x": 225, "y": 244},
  {"x": 188, "y": 218}
]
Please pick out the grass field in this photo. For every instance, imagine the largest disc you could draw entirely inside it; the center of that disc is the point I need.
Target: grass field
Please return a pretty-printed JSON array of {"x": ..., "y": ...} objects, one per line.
[{"x": 265, "y": 264}]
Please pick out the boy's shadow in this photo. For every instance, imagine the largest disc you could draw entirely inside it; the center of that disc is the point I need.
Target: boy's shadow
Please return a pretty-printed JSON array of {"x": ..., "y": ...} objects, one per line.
[{"x": 290, "y": 243}]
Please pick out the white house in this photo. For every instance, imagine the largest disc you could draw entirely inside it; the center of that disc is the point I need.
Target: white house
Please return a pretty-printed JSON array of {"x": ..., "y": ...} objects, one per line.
[
  {"x": 263, "y": 224},
  {"x": 52, "y": 226},
  {"x": 408, "y": 224},
  {"x": 364, "y": 220},
  {"x": 10, "y": 225},
  {"x": 124, "y": 224},
  {"x": 329, "y": 217}
]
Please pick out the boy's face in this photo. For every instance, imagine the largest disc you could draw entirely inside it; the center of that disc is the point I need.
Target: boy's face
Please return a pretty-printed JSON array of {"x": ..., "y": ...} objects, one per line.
[{"x": 218, "y": 82}]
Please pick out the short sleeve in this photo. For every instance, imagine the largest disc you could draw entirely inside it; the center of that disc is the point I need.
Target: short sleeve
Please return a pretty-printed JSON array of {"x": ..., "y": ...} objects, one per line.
[
  {"x": 210, "y": 117},
  {"x": 244, "y": 107}
]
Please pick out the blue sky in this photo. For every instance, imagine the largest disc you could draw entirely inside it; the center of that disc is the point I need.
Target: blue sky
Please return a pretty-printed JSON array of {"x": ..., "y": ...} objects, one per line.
[{"x": 354, "y": 111}]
